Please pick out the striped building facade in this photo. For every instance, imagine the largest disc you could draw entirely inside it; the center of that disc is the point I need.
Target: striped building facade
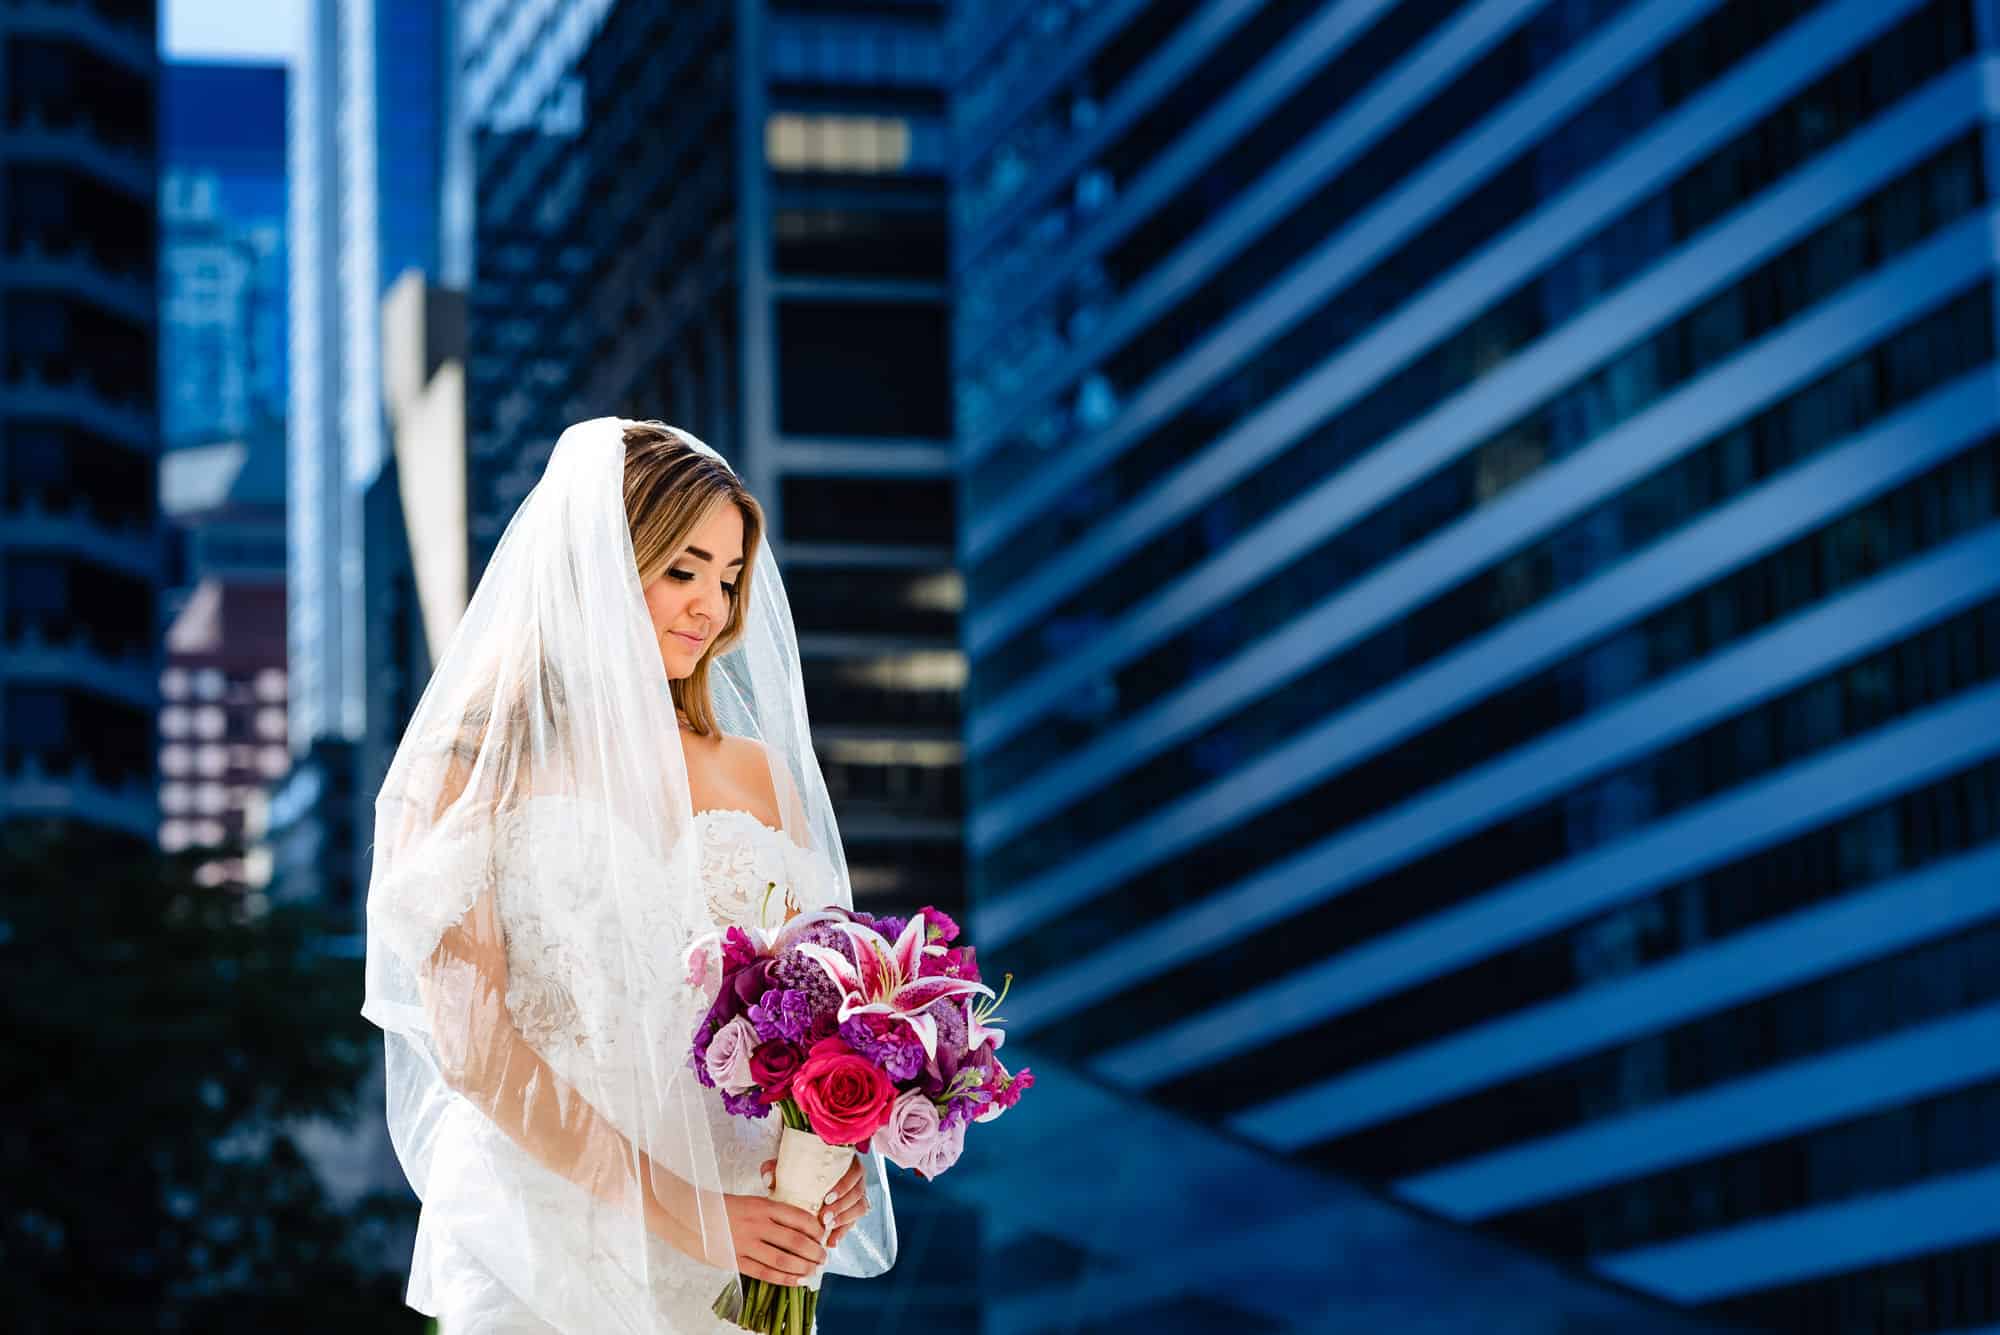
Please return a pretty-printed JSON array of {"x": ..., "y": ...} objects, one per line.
[{"x": 1483, "y": 611}]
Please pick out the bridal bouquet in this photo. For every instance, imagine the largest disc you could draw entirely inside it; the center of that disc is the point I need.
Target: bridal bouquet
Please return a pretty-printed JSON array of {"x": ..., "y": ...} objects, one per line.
[{"x": 860, "y": 1031}]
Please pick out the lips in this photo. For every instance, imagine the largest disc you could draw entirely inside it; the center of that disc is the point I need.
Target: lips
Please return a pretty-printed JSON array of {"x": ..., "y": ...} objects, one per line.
[{"x": 695, "y": 640}]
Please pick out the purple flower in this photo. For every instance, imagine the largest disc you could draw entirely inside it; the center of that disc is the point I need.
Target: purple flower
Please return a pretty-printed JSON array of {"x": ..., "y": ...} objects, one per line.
[
  {"x": 699, "y": 1059},
  {"x": 793, "y": 970},
  {"x": 746, "y": 1105},
  {"x": 890, "y": 1046},
  {"x": 961, "y": 1112},
  {"x": 784, "y": 1013},
  {"x": 889, "y": 927}
]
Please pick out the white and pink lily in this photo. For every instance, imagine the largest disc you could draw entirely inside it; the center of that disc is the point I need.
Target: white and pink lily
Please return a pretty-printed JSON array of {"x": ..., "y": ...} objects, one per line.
[
  {"x": 885, "y": 980},
  {"x": 981, "y": 1022}
]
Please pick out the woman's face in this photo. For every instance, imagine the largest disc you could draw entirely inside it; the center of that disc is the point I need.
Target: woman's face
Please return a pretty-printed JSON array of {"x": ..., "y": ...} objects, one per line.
[{"x": 690, "y": 601}]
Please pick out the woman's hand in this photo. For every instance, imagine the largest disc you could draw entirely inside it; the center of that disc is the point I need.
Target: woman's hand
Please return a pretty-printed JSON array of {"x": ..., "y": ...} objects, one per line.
[
  {"x": 845, "y": 1204},
  {"x": 849, "y": 1203},
  {"x": 774, "y": 1241}
]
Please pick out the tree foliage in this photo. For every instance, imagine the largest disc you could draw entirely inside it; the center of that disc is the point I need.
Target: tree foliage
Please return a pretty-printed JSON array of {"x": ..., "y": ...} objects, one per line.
[{"x": 163, "y": 1050}]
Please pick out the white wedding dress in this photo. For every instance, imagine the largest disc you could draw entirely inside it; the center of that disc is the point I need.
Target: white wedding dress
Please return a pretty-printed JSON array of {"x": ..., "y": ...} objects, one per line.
[{"x": 607, "y": 1286}]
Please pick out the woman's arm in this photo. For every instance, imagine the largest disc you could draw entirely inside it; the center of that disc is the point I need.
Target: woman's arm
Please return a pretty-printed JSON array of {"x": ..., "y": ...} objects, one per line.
[{"x": 485, "y": 1058}]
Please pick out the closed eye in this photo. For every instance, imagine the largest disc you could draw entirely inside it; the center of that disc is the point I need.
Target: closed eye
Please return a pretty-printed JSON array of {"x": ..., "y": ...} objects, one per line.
[{"x": 729, "y": 589}]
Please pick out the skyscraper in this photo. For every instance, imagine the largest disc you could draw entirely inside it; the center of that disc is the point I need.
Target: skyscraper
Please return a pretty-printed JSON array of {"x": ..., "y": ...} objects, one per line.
[
  {"x": 366, "y": 155},
  {"x": 1481, "y": 549},
  {"x": 79, "y": 531},
  {"x": 731, "y": 216},
  {"x": 223, "y": 326}
]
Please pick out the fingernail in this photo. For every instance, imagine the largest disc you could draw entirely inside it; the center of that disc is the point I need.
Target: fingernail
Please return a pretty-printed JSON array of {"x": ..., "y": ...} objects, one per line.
[{"x": 832, "y": 1196}]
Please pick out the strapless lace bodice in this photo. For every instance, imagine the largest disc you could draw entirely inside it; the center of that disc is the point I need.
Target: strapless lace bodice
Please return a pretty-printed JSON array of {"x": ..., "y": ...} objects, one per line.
[
  {"x": 574, "y": 1016},
  {"x": 751, "y": 875}
]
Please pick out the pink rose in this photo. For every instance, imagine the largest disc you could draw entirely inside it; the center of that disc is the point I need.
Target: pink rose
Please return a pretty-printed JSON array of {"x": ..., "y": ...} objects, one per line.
[
  {"x": 728, "y": 1057},
  {"x": 943, "y": 1151},
  {"x": 913, "y": 1127},
  {"x": 846, "y": 1098}
]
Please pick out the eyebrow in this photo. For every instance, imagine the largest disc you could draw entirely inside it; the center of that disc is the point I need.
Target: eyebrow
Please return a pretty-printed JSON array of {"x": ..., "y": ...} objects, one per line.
[{"x": 696, "y": 551}]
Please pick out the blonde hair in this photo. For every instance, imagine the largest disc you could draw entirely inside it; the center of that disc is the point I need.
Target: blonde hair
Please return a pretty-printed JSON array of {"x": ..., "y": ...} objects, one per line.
[{"x": 669, "y": 488}]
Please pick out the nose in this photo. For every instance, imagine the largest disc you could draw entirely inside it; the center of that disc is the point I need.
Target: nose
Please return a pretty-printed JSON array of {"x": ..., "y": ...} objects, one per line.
[{"x": 704, "y": 601}]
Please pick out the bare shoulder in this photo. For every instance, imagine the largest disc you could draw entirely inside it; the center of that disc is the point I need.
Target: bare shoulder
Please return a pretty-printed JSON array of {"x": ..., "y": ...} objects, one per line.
[{"x": 747, "y": 762}]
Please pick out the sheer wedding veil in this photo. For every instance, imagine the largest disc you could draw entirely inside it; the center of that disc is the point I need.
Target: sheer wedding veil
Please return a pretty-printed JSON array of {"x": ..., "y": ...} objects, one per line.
[{"x": 539, "y": 802}]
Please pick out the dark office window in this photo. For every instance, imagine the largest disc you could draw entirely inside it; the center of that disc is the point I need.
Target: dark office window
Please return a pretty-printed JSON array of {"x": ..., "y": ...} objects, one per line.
[
  {"x": 894, "y": 599},
  {"x": 54, "y": 209},
  {"x": 1942, "y": 1291},
  {"x": 61, "y": 598},
  {"x": 58, "y": 465},
  {"x": 851, "y": 369},
  {"x": 868, "y": 510},
  {"x": 59, "y": 339},
  {"x": 886, "y": 243},
  {"x": 60, "y": 727},
  {"x": 62, "y": 84},
  {"x": 37, "y": 720}
]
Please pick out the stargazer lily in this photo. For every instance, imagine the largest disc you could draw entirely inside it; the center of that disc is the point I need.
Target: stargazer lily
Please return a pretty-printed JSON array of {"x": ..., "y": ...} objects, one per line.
[
  {"x": 882, "y": 978},
  {"x": 981, "y": 1023}
]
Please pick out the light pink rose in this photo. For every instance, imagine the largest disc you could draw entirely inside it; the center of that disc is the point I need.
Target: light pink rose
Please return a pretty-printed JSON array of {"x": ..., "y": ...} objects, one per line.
[
  {"x": 728, "y": 1057},
  {"x": 944, "y": 1151},
  {"x": 912, "y": 1129}
]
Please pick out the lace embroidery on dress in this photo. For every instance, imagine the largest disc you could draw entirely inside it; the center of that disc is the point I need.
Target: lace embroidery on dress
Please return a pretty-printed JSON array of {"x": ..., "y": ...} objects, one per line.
[{"x": 754, "y": 874}]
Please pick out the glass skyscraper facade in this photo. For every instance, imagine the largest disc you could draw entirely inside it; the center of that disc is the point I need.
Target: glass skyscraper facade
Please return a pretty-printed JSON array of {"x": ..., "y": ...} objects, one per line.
[
  {"x": 80, "y": 537},
  {"x": 1483, "y": 613},
  {"x": 223, "y": 328},
  {"x": 731, "y": 216},
  {"x": 368, "y": 136}
]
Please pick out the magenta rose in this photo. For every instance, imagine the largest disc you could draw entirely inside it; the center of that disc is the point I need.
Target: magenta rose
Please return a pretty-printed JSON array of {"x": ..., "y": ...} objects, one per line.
[
  {"x": 846, "y": 1098},
  {"x": 773, "y": 1065}
]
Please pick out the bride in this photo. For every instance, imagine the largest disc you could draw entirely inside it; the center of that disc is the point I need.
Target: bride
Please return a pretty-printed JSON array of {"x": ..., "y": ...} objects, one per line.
[{"x": 610, "y": 762}]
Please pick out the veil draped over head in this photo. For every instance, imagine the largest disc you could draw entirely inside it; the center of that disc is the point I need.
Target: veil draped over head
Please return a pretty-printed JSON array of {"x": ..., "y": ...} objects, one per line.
[{"x": 536, "y": 885}]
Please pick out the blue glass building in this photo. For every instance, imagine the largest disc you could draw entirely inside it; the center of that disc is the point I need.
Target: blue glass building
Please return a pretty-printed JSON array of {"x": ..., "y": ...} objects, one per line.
[
  {"x": 367, "y": 148},
  {"x": 1483, "y": 613},
  {"x": 731, "y": 216},
  {"x": 81, "y": 544},
  {"x": 223, "y": 327}
]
